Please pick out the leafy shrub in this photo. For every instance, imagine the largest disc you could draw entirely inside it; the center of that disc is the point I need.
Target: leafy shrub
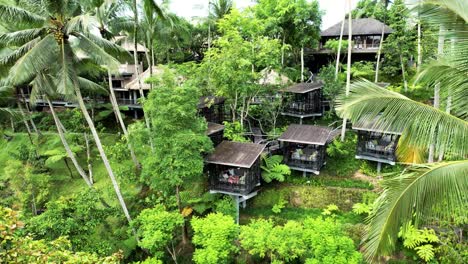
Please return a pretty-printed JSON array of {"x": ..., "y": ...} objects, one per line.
[
  {"x": 225, "y": 206},
  {"x": 331, "y": 210},
  {"x": 279, "y": 206},
  {"x": 234, "y": 132},
  {"x": 342, "y": 161},
  {"x": 273, "y": 169},
  {"x": 214, "y": 237}
]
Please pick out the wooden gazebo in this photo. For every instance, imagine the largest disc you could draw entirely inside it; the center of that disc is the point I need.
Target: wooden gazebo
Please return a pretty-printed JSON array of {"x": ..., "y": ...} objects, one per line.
[
  {"x": 212, "y": 108},
  {"x": 215, "y": 133},
  {"x": 304, "y": 146},
  {"x": 375, "y": 144},
  {"x": 303, "y": 100},
  {"x": 234, "y": 168}
]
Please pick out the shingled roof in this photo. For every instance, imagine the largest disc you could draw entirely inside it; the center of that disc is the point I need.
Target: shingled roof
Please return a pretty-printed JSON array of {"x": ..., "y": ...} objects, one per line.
[
  {"x": 361, "y": 26},
  {"x": 213, "y": 128},
  {"x": 235, "y": 154},
  {"x": 304, "y": 87},
  {"x": 373, "y": 125},
  {"x": 307, "y": 134}
]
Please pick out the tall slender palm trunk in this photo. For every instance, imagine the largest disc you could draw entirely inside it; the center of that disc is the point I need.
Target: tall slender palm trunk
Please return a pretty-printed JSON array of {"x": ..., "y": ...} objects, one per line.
[
  {"x": 70, "y": 153},
  {"x": 28, "y": 110},
  {"x": 137, "y": 73},
  {"x": 25, "y": 122},
  {"x": 403, "y": 73},
  {"x": 440, "y": 50},
  {"x": 115, "y": 107},
  {"x": 348, "y": 68},
  {"x": 419, "y": 41},
  {"x": 102, "y": 153},
  {"x": 379, "y": 54},
  {"x": 337, "y": 70},
  {"x": 302, "y": 63}
]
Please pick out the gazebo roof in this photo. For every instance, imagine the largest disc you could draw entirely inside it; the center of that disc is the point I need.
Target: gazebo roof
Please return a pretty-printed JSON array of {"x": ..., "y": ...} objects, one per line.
[
  {"x": 360, "y": 26},
  {"x": 301, "y": 88},
  {"x": 213, "y": 128},
  {"x": 208, "y": 101},
  {"x": 373, "y": 125},
  {"x": 235, "y": 154},
  {"x": 308, "y": 134}
]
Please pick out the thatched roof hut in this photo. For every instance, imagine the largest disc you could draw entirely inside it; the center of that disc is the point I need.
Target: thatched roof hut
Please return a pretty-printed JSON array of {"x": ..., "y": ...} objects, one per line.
[{"x": 361, "y": 26}]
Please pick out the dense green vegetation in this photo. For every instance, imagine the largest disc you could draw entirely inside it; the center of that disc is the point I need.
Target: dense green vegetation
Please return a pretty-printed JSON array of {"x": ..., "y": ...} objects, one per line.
[{"x": 90, "y": 184}]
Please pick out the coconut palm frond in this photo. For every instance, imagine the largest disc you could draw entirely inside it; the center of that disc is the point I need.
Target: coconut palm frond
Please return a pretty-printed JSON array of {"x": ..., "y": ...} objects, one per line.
[
  {"x": 41, "y": 56},
  {"x": 451, "y": 13},
  {"x": 81, "y": 23},
  {"x": 422, "y": 124},
  {"x": 90, "y": 86},
  {"x": 422, "y": 192},
  {"x": 111, "y": 48},
  {"x": 20, "y": 37},
  {"x": 11, "y": 58},
  {"x": 96, "y": 53},
  {"x": 42, "y": 84},
  {"x": 16, "y": 15}
]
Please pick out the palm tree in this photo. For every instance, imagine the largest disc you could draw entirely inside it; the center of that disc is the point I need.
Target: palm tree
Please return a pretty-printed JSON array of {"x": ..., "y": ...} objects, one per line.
[
  {"x": 54, "y": 37},
  {"x": 219, "y": 8},
  {"x": 348, "y": 71},
  {"x": 427, "y": 192},
  {"x": 107, "y": 15}
]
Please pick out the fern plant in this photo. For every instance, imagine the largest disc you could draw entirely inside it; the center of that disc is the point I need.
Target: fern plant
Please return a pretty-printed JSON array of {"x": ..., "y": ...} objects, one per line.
[
  {"x": 419, "y": 240},
  {"x": 273, "y": 169}
]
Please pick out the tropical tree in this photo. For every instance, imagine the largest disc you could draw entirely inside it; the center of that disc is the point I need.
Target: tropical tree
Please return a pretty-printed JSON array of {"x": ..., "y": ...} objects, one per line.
[
  {"x": 53, "y": 39},
  {"x": 425, "y": 192}
]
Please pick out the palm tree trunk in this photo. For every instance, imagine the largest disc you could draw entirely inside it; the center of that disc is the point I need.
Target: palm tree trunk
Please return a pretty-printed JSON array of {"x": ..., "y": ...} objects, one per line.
[
  {"x": 339, "y": 48},
  {"x": 102, "y": 153},
  {"x": 88, "y": 158},
  {"x": 302, "y": 63},
  {"x": 403, "y": 73},
  {"x": 137, "y": 73},
  {"x": 115, "y": 107},
  {"x": 419, "y": 47},
  {"x": 26, "y": 124},
  {"x": 440, "y": 50},
  {"x": 33, "y": 124},
  {"x": 70, "y": 153},
  {"x": 379, "y": 52},
  {"x": 348, "y": 69},
  {"x": 12, "y": 124}
]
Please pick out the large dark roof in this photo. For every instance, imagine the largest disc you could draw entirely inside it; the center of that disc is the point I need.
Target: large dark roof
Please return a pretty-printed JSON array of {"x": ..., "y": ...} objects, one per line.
[
  {"x": 208, "y": 101},
  {"x": 213, "y": 128},
  {"x": 304, "y": 87},
  {"x": 361, "y": 26},
  {"x": 235, "y": 154},
  {"x": 307, "y": 134},
  {"x": 373, "y": 125}
]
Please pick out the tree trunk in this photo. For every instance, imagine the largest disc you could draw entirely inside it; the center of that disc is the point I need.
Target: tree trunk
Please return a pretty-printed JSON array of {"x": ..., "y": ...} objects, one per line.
[
  {"x": 440, "y": 50},
  {"x": 419, "y": 47},
  {"x": 348, "y": 68},
  {"x": 115, "y": 107},
  {"x": 70, "y": 153},
  {"x": 302, "y": 63},
  {"x": 379, "y": 53},
  {"x": 339, "y": 48},
  {"x": 12, "y": 124},
  {"x": 68, "y": 167},
  {"x": 26, "y": 124},
  {"x": 88, "y": 158},
  {"x": 102, "y": 153},
  {"x": 137, "y": 73},
  {"x": 403, "y": 73},
  {"x": 282, "y": 49},
  {"x": 184, "y": 226},
  {"x": 29, "y": 113}
]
